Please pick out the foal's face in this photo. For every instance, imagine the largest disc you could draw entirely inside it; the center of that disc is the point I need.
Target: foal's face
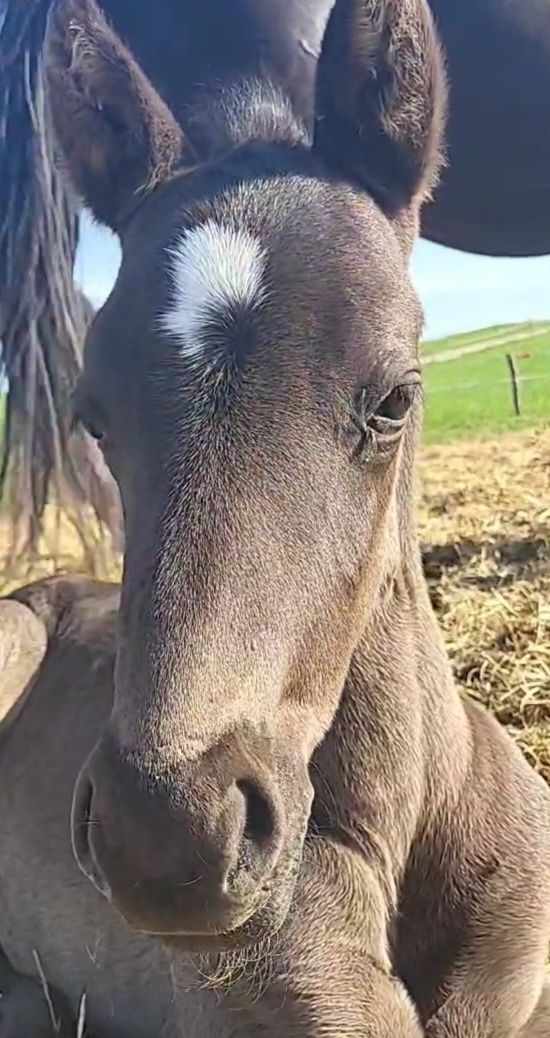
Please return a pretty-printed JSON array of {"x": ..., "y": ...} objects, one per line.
[
  {"x": 251, "y": 378},
  {"x": 253, "y": 381}
]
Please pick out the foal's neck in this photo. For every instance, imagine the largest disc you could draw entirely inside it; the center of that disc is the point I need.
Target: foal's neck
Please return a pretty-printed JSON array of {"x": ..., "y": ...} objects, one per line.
[{"x": 399, "y": 747}]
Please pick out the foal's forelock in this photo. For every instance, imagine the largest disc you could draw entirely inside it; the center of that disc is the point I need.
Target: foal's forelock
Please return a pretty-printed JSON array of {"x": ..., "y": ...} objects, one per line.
[{"x": 216, "y": 270}]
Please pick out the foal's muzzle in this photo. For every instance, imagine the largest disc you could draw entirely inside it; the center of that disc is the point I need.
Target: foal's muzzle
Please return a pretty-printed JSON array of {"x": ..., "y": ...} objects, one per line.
[{"x": 186, "y": 852}]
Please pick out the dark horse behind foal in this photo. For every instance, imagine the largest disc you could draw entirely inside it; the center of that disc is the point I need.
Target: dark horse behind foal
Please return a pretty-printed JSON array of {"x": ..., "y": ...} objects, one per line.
[
  {"x": 270, "y": 769},
  {"x": 494, "y": 196}
]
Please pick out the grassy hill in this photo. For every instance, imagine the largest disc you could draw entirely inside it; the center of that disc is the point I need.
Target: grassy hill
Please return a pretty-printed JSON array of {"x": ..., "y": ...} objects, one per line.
[
  {"x": 469, "y": 396},
  {"x": 482, "y": 335}
]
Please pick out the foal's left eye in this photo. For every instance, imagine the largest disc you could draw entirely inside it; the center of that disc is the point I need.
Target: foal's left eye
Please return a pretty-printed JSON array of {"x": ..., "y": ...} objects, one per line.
[
  {"x": 85, "y": 417},
  {"x": 94, "y": 431}
]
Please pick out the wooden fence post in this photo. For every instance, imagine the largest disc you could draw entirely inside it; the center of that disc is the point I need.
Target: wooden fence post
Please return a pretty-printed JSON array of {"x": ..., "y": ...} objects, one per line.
[{"x": 514, "y": 382}]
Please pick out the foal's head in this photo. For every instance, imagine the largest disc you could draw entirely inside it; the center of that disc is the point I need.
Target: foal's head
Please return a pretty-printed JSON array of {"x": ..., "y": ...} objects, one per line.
[{"x": 253, "y": 381}]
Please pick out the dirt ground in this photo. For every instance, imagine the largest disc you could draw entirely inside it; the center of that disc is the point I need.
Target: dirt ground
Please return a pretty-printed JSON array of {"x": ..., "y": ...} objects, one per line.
[{"x": 485, "y": 530}]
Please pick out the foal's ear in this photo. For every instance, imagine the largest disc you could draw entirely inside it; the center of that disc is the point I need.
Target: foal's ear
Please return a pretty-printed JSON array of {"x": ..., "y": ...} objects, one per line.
[
  {"x": 381, "y": 99},
  {"x": 116, "y": 135}
]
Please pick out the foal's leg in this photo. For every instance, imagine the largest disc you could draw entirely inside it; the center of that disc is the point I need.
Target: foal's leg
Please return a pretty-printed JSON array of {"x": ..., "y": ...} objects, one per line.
[
  {"x": 24, "y": 1010},
  {"x": 328, "y": 973}
]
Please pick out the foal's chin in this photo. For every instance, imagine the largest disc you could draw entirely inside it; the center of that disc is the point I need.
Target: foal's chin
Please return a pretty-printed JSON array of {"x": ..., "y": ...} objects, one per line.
[
  {"x": 261, "y": 922},
  {"x": 196, "y": 928},
  {"x": 262, "y": 925}
]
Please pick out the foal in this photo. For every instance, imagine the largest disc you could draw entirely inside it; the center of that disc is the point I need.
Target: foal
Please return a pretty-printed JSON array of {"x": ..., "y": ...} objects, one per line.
[{"x": 280, "y": 780}]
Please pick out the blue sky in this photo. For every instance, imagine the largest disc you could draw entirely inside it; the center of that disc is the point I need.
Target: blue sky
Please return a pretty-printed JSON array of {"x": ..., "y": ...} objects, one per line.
[{"x": 459, "y": 292}]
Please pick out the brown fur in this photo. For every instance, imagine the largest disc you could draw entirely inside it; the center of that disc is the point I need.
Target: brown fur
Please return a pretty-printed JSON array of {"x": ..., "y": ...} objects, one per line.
[{"x": 292, "y": 823}]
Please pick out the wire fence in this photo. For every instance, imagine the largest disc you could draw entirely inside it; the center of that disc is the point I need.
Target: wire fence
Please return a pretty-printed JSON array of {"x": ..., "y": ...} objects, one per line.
[
  {"x": 454, "y": 387},
  {"x": 488, "y": 386}
]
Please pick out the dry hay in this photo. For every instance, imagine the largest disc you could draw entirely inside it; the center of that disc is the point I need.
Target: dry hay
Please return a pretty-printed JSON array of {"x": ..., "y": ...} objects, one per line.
[
  {"x": 485, "y": 529},
  {"x": 61, "y": 549}
]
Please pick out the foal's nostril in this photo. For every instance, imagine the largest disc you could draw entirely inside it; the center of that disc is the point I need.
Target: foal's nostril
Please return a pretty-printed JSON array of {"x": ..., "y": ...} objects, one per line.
[
  {"x": 260, "y": 826},
  {"x": 80, "y": 823}
]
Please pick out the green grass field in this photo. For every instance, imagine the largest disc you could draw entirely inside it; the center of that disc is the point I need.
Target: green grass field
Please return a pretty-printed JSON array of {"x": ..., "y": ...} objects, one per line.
[{"x": 470, "y": 397}]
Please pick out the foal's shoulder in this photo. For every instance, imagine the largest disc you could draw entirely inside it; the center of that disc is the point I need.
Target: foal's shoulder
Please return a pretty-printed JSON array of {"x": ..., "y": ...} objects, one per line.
[{"x": 511, "y": 793}]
